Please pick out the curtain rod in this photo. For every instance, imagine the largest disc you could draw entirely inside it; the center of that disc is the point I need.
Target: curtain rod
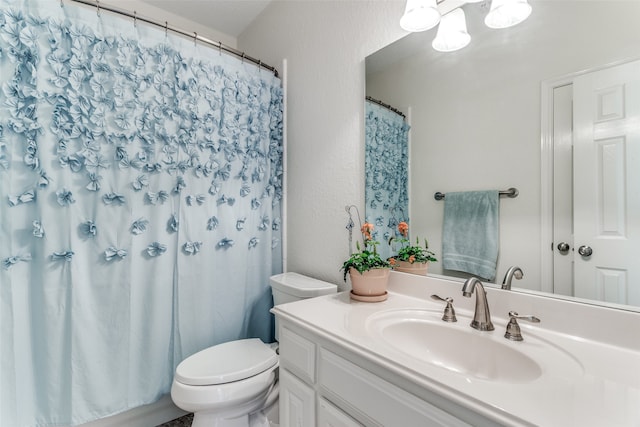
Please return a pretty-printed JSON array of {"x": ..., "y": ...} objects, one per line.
[
  {"x": 218, "y": 45},
  {"x": 387, "y": 106}
]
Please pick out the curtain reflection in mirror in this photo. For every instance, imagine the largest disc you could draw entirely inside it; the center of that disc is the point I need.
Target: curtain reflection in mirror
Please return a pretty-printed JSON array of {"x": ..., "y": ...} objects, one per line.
[{"x": 386, "y": 166}]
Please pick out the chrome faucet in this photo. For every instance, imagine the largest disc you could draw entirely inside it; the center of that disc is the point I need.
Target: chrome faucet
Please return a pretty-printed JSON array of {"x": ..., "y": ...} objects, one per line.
[
  {"x": 481, "y": 317},
  {"x": 512, "y": 272}
]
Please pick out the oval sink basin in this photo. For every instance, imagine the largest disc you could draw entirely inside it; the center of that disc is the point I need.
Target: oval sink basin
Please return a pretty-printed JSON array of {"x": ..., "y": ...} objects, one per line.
[{"x": 423, "y": 336}]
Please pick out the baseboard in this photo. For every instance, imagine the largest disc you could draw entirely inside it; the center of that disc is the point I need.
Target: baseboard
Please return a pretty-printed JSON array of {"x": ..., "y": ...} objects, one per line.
[{"x": 150, "y": 415}]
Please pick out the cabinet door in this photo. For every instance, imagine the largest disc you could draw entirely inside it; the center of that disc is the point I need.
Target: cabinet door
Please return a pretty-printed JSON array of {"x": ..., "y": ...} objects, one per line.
[
  {"x": 330, "y": 416},
  {"x": 297, "y": 402},
  {"x": 298, "y": 355},
  {"x": 374, "y": 400}
]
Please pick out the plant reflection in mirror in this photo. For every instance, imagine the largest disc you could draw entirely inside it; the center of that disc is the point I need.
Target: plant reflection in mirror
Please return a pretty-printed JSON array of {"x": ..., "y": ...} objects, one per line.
[{"x": 410, "y": 253}]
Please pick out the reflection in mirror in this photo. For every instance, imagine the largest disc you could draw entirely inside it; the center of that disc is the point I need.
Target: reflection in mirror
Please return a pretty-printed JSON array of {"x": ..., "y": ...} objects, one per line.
[
  {"x": 387, "y": 176},
  {"x": 476, "y": 124}
]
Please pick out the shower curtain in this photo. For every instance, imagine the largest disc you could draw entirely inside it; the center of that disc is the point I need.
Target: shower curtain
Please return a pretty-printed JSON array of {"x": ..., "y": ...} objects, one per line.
[
  {"x": 386, "y": 173},
  {"x": 140, "y": 200}
]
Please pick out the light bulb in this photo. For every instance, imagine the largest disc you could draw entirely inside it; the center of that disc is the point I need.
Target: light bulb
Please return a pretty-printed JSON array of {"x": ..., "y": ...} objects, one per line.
[
  {"x": 452, "y": 32},
  {"x": 420, "y": 15},
  {"x": 507, "y": 13}
]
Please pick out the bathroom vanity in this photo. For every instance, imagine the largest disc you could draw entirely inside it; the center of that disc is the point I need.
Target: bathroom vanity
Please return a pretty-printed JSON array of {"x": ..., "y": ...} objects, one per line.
[{"x": 397, "y": 363}]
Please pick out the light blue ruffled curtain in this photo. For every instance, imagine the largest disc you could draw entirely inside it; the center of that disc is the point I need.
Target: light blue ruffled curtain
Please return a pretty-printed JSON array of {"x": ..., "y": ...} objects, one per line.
[
  {"x": 140, "y": 196},
  {"x": 386, "y": 173}
]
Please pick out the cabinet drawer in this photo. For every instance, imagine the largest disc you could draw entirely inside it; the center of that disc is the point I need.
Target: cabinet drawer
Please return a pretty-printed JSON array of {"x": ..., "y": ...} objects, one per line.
[
  {"x": 330, "y": 416},
  {"x": 376, "y": 401},
  {"x": 298, "y": 354}
]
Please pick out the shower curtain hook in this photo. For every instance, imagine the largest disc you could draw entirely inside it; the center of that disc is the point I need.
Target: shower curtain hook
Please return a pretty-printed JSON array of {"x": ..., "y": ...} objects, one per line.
[
  {"x": 243, "y": 57},
  {"x": 98, "y": 8},
  {"x": 220, "y": 48},
  {"x": 259, "y": 65},
  {"x": 135, "y": 18},
  {"x": 195, "y": 38},
  {"x": 166, "y": 28}
]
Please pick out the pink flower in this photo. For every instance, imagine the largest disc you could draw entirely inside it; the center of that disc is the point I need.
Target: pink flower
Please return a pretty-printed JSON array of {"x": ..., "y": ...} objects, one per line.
[
  {"x": 403, "y": 228},
  {"x": 366, "y": 230}
]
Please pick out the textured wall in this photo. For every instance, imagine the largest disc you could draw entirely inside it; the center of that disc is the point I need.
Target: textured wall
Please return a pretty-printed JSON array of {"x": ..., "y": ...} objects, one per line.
[{"x": 324, "y": 43}]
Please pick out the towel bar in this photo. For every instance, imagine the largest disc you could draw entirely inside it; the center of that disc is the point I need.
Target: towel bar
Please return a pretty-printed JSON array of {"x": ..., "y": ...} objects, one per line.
[{"x": 511, "y": 193}]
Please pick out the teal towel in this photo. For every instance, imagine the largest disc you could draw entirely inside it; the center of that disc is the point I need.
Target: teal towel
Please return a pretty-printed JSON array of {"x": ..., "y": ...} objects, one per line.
[{"x": 470, "y": 232}]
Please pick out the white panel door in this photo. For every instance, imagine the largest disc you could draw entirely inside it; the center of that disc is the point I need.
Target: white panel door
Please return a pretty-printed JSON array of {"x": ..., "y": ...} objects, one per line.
[{"x": 607, "y": 184}]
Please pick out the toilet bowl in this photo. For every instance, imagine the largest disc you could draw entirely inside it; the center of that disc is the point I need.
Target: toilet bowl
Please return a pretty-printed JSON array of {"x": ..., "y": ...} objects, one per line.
[{"x": 235, "y": 384}]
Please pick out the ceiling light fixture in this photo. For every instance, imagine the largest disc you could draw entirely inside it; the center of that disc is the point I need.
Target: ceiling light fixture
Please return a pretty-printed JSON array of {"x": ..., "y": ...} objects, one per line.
[
  {"x": 452, "y": 32},
  {"x": 420, "y": 15},
  {"x": 452, "y": 35},
  {"x": 507, "y": 13}
]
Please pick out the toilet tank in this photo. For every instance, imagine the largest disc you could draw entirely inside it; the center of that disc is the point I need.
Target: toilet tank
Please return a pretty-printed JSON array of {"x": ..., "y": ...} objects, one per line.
[{"x": 289, "y": 287}]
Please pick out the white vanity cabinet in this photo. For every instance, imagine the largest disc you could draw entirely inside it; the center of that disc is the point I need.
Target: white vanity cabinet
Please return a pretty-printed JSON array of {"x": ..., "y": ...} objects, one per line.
[
  {"x": 395, "y": 363},
  {"x": 324, "y": 384}
]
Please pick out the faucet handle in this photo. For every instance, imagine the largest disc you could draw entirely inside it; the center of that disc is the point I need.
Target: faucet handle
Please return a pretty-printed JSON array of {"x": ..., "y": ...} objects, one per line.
[
  {"x": 449, "y": 313},
  {"x": 513, "y": 329}
]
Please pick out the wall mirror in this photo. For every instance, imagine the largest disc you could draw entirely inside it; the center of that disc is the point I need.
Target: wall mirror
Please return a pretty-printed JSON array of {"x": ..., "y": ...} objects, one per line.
[{"x": 501, "y": 112}]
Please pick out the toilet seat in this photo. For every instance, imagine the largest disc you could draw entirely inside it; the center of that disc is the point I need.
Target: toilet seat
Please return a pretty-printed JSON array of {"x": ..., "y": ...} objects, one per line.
[
  {"x": 239, "y": 396},
  {"x": 226, "y": 363}
]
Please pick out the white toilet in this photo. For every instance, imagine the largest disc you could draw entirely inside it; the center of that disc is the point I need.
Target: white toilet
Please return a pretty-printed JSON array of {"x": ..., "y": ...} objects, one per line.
[{"x": 235, "y": 384}]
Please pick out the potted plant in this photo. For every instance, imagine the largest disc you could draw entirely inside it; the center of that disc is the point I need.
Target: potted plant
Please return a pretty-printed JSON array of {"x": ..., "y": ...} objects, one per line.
[
  {"x": 369, "y": 273},
  {"x": 410, "y": 258}
]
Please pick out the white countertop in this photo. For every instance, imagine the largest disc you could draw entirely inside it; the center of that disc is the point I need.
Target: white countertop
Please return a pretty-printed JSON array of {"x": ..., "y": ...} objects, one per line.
[{"x": 591, "y": 378}]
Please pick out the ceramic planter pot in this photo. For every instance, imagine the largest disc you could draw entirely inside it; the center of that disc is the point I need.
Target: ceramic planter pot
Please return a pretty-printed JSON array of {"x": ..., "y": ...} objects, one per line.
[
  {"x": 371, "y": 283},
  {"x": 419, "y": 268}
]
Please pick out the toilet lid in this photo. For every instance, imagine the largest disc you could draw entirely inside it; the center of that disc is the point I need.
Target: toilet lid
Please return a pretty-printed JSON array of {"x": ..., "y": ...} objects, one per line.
[{"x": 227, "y": 362}]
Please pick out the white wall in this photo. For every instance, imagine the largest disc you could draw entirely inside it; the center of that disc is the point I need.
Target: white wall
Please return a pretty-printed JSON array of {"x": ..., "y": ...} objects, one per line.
[
  {"x": 324, "y": 43},
  {"x": 476, "y": 113}
]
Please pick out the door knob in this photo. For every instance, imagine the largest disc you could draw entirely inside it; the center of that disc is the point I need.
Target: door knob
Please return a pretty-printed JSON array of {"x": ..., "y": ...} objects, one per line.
[
  {"x": 563, "y": 247},
  {"x": 585, "y": 251}
]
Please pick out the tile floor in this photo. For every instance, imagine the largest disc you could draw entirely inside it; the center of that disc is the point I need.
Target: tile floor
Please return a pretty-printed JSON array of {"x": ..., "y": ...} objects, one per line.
[
  {"x": 187, "y": 419},
  {"x": 179, "y": 422}
]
